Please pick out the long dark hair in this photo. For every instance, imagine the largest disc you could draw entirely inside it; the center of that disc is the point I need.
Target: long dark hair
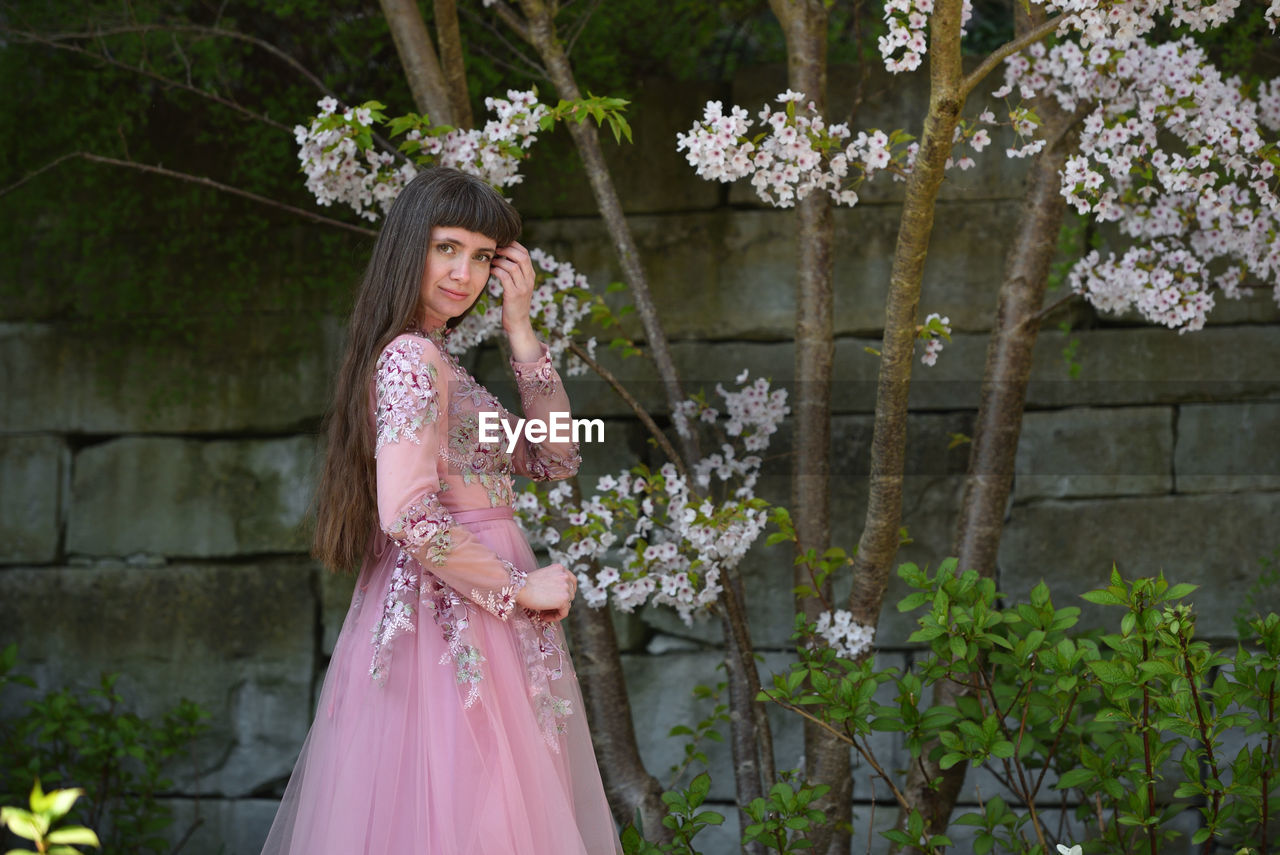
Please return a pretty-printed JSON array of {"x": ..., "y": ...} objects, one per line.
[{"x": 386, "y": 304}]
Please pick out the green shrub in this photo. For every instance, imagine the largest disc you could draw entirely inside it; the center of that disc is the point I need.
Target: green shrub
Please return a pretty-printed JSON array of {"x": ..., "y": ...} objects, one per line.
[{"x": 94, "y": 742}]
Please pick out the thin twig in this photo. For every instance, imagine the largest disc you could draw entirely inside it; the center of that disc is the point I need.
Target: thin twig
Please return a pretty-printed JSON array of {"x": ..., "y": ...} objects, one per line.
[
  {"x": 532, "y": 64},
  {"x": 1066, "y": 719},
  {"x": 512, "y": 19},
  {"x": 1008, "y": 49},
  {"x": 1206, "y": 739},
  {"x": 844, "y": 737},
  {"x": 197, "y": 179},
  {"x": 168, "y": 81},
  {"x": 1146, "y": 755},
  {"x": 1049, "y": 310},
  {"x": 578, "y": 26},
  {"x": 213, "y": 32},
  {"x": 54, "y": 40},
  {"x": 630, "y": 401}
]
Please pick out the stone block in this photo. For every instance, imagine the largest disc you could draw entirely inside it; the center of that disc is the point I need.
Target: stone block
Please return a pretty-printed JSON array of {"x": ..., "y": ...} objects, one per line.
[
  {"x": 33, "y": 470},
  {"x": 660, "y": 688},
  {"x": 1213, "y": 541},
  {"x": 236, "y": 639},
  {"x": 1092, "y": 451},
  {"x": 335, "y": 601},
  {"x": 1119, "y": 367},
  {"x": 1223, "y": 448},
  {"x": 179, "y": 497},
  {"x": 221, "y": 826},
  {"x": 731, "y": 274},
  {"x": 269, "y": 377},
  {"x": 1149, "y": 365}
]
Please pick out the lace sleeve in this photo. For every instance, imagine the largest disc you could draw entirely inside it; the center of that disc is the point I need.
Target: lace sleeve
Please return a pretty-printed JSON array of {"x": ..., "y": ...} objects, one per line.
[
  {"x": 542, "y": 396},
  {"x": 410, "y": 397}
]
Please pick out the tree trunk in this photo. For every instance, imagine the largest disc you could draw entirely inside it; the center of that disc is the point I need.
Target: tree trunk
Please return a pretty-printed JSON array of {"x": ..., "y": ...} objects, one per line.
[
  {"x": 453, "y": 69},
  {"x": 631, "y": 790},
  {"x": 804, "y": 23},
  {"x": 879, "y": 542},
  {"x": 1004, "y": 385},
  {"x": 421, "y": 68},
  {"x": 539, "y": 29}
]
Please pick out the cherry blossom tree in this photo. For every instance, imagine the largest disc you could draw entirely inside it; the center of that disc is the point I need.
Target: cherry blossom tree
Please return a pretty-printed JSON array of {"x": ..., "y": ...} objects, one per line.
[{"x": 1201, "y": 216}]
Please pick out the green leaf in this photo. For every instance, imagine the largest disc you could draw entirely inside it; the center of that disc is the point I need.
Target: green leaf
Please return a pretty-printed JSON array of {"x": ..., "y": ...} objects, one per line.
[
  {"x": 1075, "y": 778},
  {"x": 1102, "y": 597},
  {"x": 1109, "y": 672},
  {"x": 23, "y": 824},
  {"x": 76, "y": 835},
  {"x": 951, "y": 759}
]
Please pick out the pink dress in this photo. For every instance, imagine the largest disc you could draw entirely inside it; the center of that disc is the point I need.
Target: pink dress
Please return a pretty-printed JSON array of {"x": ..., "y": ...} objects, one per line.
[{"x": 450, "y": 721}]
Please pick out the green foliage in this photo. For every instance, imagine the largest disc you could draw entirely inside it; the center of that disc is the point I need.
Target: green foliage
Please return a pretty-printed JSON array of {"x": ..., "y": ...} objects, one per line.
[
  {"x": 703, "y": 730},
  {"x": 1100, "y": 717},
  {"x": 819, "y": 567},
  {"x": 781, "y": 821},
  {"x": 685, "y": 819},
  {"x": 35, "y": 824},
  {"x": 1265, "y": 589},
  {"x": 118, "y": 755}
]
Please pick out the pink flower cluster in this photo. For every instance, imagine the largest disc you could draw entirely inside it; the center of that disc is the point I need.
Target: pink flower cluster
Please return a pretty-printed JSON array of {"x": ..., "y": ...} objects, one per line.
[
  {"x": 1183, "y": 159},
  {"x": 339, "y": 169},
  {"x": 651, "y": 538},
  {"x": 342, "y": 164},
  {"x": 845, "y": 635},
  {"x": 797, "y": 154},
  {"x": 933, "y": 332},
  {"x": 904, "y": 46}
]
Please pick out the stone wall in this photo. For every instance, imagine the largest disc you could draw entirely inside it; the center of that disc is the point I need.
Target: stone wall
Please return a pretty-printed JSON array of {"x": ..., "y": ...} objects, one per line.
[{"x": 163, "y": 536}]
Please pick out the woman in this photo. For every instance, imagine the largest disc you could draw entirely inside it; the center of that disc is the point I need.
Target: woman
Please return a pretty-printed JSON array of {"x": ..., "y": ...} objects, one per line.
[{"x": 450, "y": 721}]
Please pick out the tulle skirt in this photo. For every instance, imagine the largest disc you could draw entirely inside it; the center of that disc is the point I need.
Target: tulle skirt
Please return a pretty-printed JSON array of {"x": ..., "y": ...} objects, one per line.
[{"x": 488, "y": 755}]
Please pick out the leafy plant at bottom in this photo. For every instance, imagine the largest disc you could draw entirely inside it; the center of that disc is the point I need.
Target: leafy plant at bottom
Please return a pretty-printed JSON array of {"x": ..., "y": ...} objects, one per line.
[{"x": 116, "y": 755}]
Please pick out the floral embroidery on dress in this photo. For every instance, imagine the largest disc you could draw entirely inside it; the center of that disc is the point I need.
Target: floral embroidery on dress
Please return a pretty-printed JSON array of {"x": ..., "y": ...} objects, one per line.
[
  {"x": 423, "y": 529},
  {"x": 539, "y": 642},
  {"x": 397, "y": 615},
  {"x": 472, "y": 460},
  {"x": 546, "y": 464},
  {"x": 502, "y": 602},
  {"x": 406, "y": 393},
  {"x": 536, "y": 378},
  {"x": 453, "y": 617}
]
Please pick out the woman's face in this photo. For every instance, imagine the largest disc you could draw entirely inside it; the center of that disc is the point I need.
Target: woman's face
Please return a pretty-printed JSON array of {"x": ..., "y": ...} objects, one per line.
[{"x": 457, "y": 269}]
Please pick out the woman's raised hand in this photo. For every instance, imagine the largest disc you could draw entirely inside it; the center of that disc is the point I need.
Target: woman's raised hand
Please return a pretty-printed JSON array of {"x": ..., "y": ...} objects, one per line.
[
  {"x": 513, "y": 269},
  {"x": 548, "y": 590}
]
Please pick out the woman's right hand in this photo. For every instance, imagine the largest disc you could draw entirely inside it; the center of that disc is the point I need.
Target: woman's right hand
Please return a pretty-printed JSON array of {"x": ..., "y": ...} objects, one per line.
[{"x": 548, "y": 590}]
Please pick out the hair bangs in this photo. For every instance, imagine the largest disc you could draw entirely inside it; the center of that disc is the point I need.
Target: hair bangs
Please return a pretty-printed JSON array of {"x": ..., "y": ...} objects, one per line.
[{"x": 473, "y": 205}]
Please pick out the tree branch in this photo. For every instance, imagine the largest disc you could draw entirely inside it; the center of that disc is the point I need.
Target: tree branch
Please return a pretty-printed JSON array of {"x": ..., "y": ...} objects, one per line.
[
  {"x": 578, "y": 26},
  {"x": 168, "y": 81},
  {"x": 532, "y": 66},
  {"x": 641, "y": 413},
  {"x": 418, "y": 58},
  {"x": 195, "y": 179},
  {"x": 1006, "y": 50},
  {"x": 512, "y": 19},
  {"x": 212, "y": 32}
]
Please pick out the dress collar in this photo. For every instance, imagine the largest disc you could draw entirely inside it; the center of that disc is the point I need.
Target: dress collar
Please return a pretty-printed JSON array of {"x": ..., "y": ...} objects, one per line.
[{"x": 437, "y": 334}]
